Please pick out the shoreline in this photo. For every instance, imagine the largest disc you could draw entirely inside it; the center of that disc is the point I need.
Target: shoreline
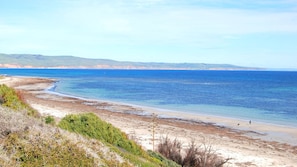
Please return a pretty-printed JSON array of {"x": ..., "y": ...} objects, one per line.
[
  {"x": 238, "y": 142},
  {"x": 269, "y": 131}
]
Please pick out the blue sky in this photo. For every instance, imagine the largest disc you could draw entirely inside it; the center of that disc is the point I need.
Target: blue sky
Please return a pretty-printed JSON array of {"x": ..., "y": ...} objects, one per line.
[{"x": 260, "y": 33}]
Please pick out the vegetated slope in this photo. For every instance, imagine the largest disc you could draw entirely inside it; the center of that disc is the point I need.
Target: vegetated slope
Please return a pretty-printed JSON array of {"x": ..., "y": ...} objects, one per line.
[
  {"x": 26, "y": 139},
  {"x": 40, "y": 61}
]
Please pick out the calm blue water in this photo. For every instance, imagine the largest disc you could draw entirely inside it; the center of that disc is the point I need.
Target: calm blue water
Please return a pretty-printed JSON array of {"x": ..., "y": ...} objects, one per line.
[{"x": 258, "y": 95}]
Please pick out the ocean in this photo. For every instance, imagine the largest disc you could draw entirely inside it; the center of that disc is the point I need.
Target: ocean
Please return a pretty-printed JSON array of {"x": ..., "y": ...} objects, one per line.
[{"x": 265, "y": 96}]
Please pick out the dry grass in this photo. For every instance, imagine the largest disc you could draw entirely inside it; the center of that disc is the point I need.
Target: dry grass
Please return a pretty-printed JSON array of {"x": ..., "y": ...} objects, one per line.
[{"x": 12, "y": 122}]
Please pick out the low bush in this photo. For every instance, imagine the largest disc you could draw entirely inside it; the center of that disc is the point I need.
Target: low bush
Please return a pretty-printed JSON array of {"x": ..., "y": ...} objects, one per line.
[
  {"x": 50, "y": 120},
  {"x": 193, "y": 156},
  {"x": 15, "y": 100},
  {"x": 92, "y": 126},
  {"x": 171, "y": 149}
]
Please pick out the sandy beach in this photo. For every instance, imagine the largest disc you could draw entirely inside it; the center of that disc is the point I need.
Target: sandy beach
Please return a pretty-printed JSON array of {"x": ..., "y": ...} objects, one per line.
[{"x": 247, "y": 144}]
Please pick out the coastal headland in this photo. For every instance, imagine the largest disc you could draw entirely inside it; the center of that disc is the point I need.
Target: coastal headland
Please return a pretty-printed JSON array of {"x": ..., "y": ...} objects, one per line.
[
  {"x": 246, "y": 143},
  {"x": 70, "y": 62}
]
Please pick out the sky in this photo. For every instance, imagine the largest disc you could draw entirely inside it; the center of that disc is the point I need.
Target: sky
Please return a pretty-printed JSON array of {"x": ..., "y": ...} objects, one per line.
[{"x": 252, "y": 33}]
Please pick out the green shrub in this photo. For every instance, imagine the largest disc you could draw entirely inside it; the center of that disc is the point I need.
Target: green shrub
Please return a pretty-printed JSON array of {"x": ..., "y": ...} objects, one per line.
[
  {"x": 14, "y": 100},
  {"x": 92, "y": 126},
  {"x": 9, "y": 97},
  {"x": 49, "y": 120}
]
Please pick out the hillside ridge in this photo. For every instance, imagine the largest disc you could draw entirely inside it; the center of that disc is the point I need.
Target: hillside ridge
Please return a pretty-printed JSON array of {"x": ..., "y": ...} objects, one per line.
[{"x": 42, "y": 61}]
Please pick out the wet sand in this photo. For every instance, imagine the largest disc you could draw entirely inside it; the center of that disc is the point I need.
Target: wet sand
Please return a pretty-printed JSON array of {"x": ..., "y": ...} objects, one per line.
[{"x": 255, "y": 144}]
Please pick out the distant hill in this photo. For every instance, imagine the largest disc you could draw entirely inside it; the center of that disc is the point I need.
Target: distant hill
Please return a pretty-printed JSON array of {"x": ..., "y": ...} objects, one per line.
[{"x": 41, "y": 61}]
